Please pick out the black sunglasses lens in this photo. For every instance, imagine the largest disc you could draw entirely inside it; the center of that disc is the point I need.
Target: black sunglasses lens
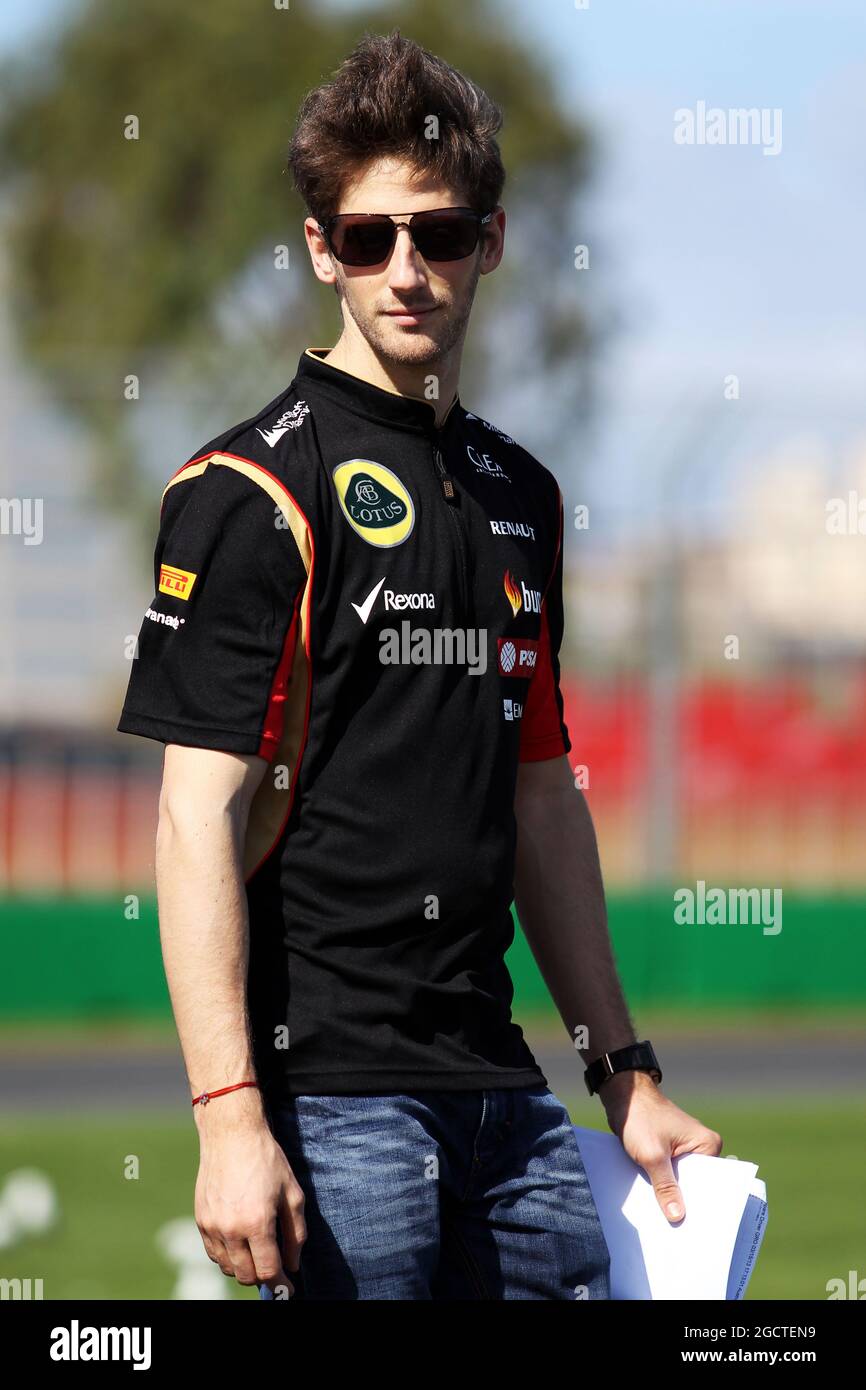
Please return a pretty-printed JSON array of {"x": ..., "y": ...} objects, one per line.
[
  {"x": 445, "y": 236},
  {"x": 365, "y": 242}
]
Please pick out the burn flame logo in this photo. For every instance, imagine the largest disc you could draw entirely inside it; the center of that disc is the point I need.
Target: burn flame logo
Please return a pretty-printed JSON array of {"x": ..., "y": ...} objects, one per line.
[{"x": 512, "y": 593}]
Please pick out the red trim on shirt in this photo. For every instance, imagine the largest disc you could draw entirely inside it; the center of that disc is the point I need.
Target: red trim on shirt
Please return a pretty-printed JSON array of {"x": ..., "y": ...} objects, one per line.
[
  {"x": 272, "y": 730},
  {"x": 541, "y": 729}
]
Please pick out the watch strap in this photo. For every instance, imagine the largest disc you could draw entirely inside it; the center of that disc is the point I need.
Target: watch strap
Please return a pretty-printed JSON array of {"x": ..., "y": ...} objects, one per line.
[{"x": 638, "y": 1056}]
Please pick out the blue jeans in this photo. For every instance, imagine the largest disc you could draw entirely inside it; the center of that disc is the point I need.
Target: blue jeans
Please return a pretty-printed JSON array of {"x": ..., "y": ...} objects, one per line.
[{"x": 441, "y": 1195}]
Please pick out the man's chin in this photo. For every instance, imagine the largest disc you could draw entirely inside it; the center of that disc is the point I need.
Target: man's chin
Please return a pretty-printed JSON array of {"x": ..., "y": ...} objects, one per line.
[{"x": 414, "y": 344}]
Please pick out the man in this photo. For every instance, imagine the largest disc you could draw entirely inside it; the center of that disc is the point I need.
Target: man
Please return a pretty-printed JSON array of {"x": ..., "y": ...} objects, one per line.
[{"x": 352, "y": 657}]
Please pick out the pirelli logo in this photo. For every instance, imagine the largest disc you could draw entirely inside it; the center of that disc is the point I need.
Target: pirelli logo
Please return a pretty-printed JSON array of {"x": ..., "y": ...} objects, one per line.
[{"x": 176, "y": 582}]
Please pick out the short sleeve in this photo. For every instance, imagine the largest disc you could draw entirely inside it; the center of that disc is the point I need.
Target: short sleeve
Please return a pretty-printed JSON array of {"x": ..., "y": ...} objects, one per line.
[
  {"x": 543, "y": 730},
  {"x": 217, "y": 644}
]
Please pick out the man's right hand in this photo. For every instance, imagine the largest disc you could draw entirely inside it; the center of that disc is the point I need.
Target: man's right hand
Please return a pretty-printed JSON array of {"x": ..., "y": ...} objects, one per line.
[{"x": 245, "y": 1190}]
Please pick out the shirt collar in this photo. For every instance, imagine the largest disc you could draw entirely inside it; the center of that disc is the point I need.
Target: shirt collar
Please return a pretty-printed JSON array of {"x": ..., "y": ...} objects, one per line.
[{"x": 375, "y": 402}]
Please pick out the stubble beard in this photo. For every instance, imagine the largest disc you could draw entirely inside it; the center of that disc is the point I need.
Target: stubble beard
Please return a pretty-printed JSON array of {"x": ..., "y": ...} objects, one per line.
[{"x": 412, "y": 346}]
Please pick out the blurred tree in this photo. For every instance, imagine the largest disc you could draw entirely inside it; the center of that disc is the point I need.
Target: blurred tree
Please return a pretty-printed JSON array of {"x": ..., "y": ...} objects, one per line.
[{"x": 154, "y": 257}]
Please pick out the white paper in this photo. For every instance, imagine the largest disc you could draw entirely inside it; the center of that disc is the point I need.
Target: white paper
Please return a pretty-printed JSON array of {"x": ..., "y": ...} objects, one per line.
[{"x": 709, "y": 1254}]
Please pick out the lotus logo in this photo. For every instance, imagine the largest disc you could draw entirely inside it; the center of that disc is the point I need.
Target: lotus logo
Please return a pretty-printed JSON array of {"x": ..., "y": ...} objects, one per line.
[
  {"x": 366, "y": 492},
  {"x": 374, "y": 501},
  {"x": 512, "y": 593}
]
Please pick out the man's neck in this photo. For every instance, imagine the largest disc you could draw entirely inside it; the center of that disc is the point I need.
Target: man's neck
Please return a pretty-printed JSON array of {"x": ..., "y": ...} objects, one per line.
[{"x": 357, "y": 357}]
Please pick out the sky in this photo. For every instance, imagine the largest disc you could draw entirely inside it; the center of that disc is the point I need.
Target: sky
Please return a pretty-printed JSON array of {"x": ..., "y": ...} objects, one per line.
[
  {"x": 728, "y": 229},
  {"x": 722, "y": 259},
  {"x": 716, "y": 260}
]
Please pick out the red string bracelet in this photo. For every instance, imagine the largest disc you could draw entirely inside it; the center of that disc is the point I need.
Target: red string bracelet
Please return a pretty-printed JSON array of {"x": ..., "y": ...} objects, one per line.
[{"x": 209, "y": 1095}]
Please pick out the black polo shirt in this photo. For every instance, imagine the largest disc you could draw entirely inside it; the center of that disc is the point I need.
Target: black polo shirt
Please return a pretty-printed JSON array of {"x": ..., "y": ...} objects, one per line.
[{"x": 373, "y": 605}]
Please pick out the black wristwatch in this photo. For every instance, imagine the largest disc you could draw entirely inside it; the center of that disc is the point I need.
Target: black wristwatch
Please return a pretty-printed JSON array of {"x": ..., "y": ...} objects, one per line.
[{"x": 636, "y": 1057}]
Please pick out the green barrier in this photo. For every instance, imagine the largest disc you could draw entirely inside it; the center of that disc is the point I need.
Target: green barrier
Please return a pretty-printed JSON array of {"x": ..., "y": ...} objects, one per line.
[
  {"x": 82, "y": 958},
  {"x": 817, "y": 958}
]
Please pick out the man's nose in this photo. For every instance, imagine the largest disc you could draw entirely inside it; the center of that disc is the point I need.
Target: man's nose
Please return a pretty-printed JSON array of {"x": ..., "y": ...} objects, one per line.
[{"x": 406, "y": 269}]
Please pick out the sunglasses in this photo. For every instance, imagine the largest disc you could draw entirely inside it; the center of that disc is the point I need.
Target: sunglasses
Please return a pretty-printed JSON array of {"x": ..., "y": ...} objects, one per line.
[{"x": 367, "y": 238}]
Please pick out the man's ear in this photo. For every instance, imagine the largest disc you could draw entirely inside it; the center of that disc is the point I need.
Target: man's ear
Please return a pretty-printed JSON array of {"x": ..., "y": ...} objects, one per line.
[
  {"x": 323, "y": 263},
  {"x": 492, "y": 241}
]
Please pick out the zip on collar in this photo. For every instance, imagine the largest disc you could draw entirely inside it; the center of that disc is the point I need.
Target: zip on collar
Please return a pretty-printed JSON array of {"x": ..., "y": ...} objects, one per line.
[{"x": 373, "y": 402}]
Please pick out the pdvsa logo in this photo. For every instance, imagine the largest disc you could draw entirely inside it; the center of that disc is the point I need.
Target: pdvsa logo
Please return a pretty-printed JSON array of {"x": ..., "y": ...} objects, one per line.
[
  {"x": 176, "y": 582},
  {"x": 519, "y": 596},
  {"x": 374, "y": 502},
  {"x": 517, "y": 656}
]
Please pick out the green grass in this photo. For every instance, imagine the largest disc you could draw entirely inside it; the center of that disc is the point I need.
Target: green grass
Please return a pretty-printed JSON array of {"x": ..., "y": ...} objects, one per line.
[{"x": 810, "y": 1156}]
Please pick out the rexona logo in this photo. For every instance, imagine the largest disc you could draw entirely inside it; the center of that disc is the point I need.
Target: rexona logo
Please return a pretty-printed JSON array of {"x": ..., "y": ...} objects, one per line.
[
  {"x": 517, "y": 656},
  {"x": 521, "y": 597},
  {"x": 393, "y": 601},
  {"x": 176, "y": 582},
  {"x": 374, "y": 502}
]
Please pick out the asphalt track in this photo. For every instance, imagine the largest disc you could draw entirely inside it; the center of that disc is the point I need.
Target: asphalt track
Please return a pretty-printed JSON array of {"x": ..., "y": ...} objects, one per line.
[{"x": 759, "y": 1067}]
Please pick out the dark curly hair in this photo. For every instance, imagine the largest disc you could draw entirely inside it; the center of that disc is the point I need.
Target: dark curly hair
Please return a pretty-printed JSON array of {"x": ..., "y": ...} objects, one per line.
[{"x": 378, "y": 104}]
